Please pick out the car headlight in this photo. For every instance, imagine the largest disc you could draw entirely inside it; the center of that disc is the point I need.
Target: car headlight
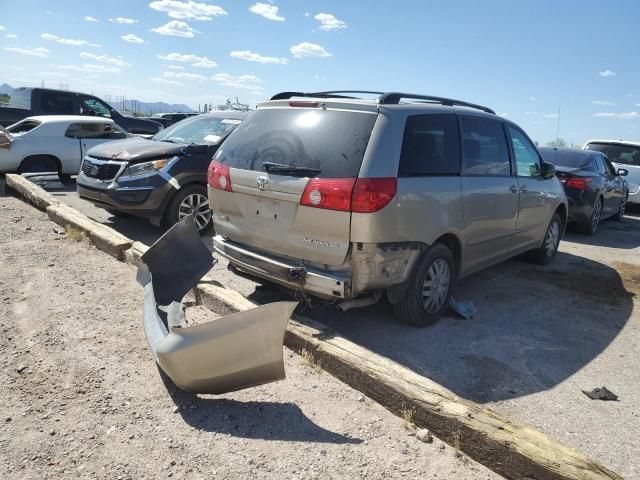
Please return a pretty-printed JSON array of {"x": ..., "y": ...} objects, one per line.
[{"x": 143, "y": 168}]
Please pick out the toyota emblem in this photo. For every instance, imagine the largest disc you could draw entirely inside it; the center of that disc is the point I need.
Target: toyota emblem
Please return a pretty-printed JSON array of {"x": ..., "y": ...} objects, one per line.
[{"x": 262, "y": 183}]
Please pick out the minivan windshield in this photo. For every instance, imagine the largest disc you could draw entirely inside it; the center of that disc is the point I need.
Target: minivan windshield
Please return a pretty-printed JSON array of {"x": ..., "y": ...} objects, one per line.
[
  {"x": 317, "y": 142},
  {"x": 626, "y": 154},
  {"x": 200, "y": 130}
]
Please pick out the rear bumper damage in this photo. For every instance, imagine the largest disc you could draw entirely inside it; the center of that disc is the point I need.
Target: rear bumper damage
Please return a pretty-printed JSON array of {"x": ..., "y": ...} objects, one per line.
[{"x": 225, "y": 354}]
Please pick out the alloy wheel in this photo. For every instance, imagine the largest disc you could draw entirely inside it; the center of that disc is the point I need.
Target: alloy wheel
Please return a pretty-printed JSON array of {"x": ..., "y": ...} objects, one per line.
[
  {"x": 552, "y": 239},
  {"x": 595, "y": 216},
  {"x": 435, "y": 287},
  {"x": 197, "y": 205}
]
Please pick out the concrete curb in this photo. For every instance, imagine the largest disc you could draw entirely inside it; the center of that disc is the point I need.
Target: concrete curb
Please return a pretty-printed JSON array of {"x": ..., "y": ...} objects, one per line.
[{"x": 511, "y": 449}]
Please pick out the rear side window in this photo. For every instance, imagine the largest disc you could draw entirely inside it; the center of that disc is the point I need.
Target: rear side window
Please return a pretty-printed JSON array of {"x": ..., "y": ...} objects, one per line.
[
  {"x": 57, "y": 103},
  {"x": 600, "y": 165},
  {"x": 430, "y": 146},
  {"x": 484, "y": 147},
  {"x": 23, "y": 127},
  {"x": 332, "y": 141}
]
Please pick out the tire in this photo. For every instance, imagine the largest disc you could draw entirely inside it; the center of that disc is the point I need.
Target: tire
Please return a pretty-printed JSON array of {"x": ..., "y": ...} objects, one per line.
[
  {"x": 435, "y": 265},
  {"x": 188, "y": 198},
  {"x": 547, "y": 251},
  {"x": 591, "y": 226},
  {"x": 37, "y": 164},
  {"x": 621, "y": 209}
]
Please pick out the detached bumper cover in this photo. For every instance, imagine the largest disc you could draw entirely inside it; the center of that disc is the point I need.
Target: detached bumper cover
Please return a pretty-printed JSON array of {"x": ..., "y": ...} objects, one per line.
[{"x": 228, "y": 353}]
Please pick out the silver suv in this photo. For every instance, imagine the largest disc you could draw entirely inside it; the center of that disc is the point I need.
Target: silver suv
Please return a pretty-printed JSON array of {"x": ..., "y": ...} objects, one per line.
[{"x": 339, "y": 196}]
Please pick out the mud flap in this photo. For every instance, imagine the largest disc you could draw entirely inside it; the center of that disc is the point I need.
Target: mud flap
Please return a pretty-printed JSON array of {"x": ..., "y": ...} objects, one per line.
[{"x": 228, "y": 353}]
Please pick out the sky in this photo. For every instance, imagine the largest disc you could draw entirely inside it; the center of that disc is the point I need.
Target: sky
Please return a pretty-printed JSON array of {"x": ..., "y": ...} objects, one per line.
[{"x": 527, "y": 60}]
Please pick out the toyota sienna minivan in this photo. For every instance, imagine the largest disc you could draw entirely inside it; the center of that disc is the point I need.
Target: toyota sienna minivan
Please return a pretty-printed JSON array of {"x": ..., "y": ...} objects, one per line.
[{"x": 341, "y": 197}]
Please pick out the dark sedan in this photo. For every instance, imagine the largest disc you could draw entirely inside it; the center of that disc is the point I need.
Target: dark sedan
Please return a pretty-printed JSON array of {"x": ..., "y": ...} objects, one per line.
[
  {"x": 163, "y": 178},
  {"x": 594, "y": 188}
]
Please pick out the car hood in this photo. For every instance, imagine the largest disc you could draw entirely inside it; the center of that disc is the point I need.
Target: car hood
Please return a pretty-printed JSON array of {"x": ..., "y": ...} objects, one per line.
[{"x": 134, "y": 149}]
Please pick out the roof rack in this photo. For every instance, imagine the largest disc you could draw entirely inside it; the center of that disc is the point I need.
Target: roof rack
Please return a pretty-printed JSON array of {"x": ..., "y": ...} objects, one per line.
[{"x": 389, "y": 98}]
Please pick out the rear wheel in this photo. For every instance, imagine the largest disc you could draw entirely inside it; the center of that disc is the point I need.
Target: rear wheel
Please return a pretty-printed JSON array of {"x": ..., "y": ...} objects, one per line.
[
  {"x": 38, "y": 164},
  {"x": 429, "y": 287},
  {"x": 190, "y": 200},
  {"x": 621, "y": 209},
  {"x": 545, "y": 253},
  {"x": 591, "y": 226}
]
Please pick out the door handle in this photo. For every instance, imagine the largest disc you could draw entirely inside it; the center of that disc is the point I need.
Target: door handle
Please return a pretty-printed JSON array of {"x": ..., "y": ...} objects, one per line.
[
  {"x": 514, "y": 189},
  {"x": 524, "y": 189}
]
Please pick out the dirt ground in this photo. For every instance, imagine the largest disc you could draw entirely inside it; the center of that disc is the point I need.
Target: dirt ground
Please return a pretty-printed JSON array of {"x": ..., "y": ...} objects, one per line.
[{"x": 80, "y": 396}]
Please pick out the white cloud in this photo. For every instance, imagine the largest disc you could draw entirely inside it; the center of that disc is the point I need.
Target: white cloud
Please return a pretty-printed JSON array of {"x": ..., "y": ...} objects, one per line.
[
  {"x": 188, "y": 10},
  {"x": 266, "y": 10},
  {"x": 602, "y": 102},
  {"x": 131, "y": 38},
  {"x": 2, "y": 28},
  {"x": 89, "y": 68},
  {"x": 164, "y": 81},
  {"x": 68, "y": 41},
  {"x": 625, "y": 115},
  {"x": 606, "y": 73},
  {"x": 256, "y": 57},
  {"x": 123, "y": 20},
  {"x": 533, "y": 99},
  {"x": 184, "y": 76},
  {"x": 176, "y": 28},
  {"x": 33, "y": 52},
  {"x": 91, "y": 19},
  {"x": 307, "y": 14},
  {"x": 194, "y": 60},
  {"x": 245, "y": 82},
  {"x": 329, "y": 22},
  {"x": 174, "y": 67},
  {"x": 104, "y": 59},
  {"x": 307, "y": 49},
  {"x": 504, "y": 114},
  {"x": 11, "y": 35}
]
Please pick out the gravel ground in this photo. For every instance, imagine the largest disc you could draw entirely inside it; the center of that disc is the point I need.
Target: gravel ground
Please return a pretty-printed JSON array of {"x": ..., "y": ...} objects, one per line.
[{"x": 81, "y": 398}]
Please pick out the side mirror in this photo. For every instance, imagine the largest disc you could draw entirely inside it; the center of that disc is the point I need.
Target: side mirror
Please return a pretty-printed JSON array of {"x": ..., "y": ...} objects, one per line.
[
  {"x": 548, "y": 170},
  {"x": 623, "y": 172}
]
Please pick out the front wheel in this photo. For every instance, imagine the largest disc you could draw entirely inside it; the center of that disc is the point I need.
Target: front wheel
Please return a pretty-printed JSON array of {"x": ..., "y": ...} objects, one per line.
[
  {"x": 190, "y": 200},
  {"x": 545, "y": 253},
  {"x": 429, "y": 288}
]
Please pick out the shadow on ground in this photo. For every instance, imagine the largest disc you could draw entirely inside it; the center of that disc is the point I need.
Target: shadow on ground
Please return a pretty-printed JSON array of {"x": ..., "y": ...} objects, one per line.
[
  {"x": 256, "y": 420},
  {"x": 624, "y": 234}
]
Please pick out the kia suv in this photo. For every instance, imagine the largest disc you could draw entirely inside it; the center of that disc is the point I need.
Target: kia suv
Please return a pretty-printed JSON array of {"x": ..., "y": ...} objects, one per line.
[{"x": 339, "y": 196}]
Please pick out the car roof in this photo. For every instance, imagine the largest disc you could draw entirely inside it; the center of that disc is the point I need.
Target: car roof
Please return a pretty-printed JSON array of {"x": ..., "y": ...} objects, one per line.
[
  {"x": 69, "y": 118},
  {"x": 615, "y": 142}
]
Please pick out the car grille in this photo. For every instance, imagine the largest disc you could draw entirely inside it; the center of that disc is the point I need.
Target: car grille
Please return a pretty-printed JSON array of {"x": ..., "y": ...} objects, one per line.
[{"x": 100, "y": 170}]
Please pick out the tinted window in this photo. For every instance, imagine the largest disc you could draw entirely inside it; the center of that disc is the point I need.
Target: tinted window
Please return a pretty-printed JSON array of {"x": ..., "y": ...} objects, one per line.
[
  {"x": 610, "y": 168},
  {"x": 57, "y": 103},
  {"x": 526, "y": 155},
  {"x": 600, "y": 165},
  {"x": 331, "y": 141},
  {"x": 94, "y": 130},
  {"x": 568, "y": 158},
  {"x": 94, "y": 108},
  {"x": 484, "y": 147},
  {"x": 23, "y": 127},
  {"x": 430, "y": 146},
  {"x": 627, "y": 154},
  {"x": 204, "y": 130}
]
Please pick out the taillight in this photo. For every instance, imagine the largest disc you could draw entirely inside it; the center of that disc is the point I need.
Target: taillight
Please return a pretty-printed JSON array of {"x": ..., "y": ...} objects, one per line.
[
  {"x": 328, "y": 193},
  {"x": 579, "y": 183},
  {"x": 362, "y": 195},
  {"x": 372, "y": 194},
  {"x": 219, "y": 177}
]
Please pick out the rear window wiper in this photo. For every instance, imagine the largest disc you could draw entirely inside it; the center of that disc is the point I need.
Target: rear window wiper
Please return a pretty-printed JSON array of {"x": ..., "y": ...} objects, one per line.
[{"x": 271, "y": 167}]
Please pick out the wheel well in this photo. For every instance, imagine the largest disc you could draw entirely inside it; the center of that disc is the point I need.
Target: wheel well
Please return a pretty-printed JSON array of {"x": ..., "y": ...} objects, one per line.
[
  {"x": 562, "y": 211},
  {"x": 52, "y": 157},
  {"x": 175, "y": 192},
  {"x": 452, "y": 242}
]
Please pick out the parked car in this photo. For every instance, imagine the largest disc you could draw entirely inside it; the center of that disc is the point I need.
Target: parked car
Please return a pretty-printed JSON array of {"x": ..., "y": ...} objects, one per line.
[
  {"x": 168, "y": 119},
  {"x": 163, "y": 178},
  {"x": 54, "y": 143},
  {"x": 339, "y": 197},
  {"x": 622, "y": 155},
  {"x": 27, "y": 102},
  {"x": 595, "y": 189}
]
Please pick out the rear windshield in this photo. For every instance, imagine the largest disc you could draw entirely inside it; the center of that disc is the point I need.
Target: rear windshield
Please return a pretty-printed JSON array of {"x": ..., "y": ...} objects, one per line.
[
  {"x": 331, "y": 141},
  {"x": 570, "y": 159},
  {"x": 627, "y": 154}
]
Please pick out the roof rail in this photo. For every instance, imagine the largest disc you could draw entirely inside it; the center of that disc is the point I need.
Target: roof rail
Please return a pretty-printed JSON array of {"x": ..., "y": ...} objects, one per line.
[
  {"x": 331, "y": 94},
  {"x": 393, "y": 98}
]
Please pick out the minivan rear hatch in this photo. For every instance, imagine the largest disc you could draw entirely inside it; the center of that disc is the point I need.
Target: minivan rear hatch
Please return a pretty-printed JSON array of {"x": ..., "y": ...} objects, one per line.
[{"x": 288, "y": 176}]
